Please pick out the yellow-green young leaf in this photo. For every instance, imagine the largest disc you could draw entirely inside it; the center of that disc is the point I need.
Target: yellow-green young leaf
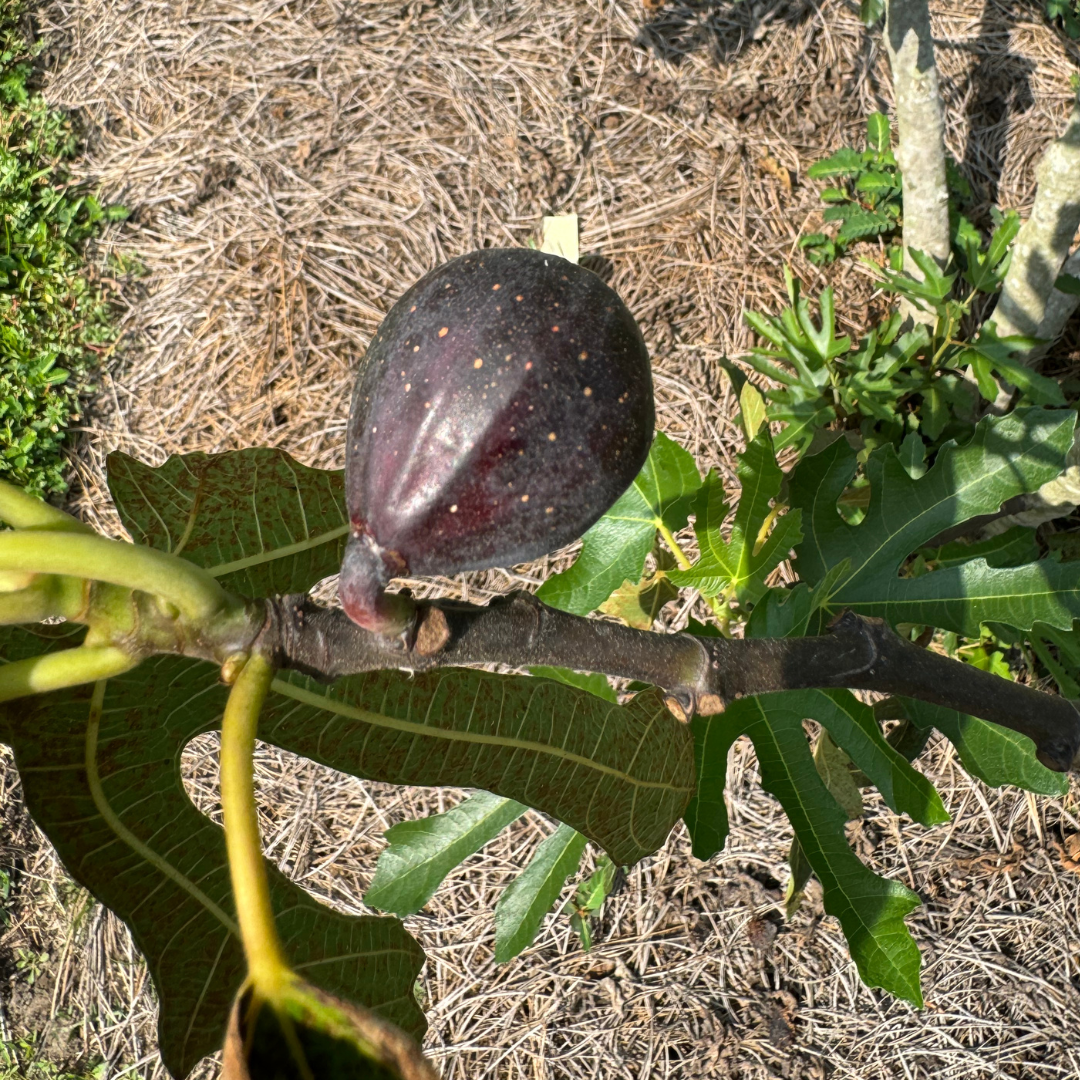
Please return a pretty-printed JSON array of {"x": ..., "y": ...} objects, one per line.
[
  {"x": 615, "y": 548},
  {"x": 259, "y": 521},
  {"x": 592, "y": 892},
  {"x": 531, "y": 895},
  {"x": 801, "y": 873},
  {"x": 878, "y": 136},
  {"x": 752, "y": 406},
  {"x": 640, "y": 605},
  {"x": 760, "y": 540},
  {"x": 1006, "y": 456},
  {"x": 834, "y": 768},
  {"x": 589, "y": 898},
  {"x": 422, "y": 853},
  {"x": 992, "y": 661},
  {"x": 595, "y": 684}
]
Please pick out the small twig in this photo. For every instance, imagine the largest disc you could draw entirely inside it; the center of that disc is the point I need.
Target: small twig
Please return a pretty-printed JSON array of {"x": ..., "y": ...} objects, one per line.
[{"x": 697, "y": 674}]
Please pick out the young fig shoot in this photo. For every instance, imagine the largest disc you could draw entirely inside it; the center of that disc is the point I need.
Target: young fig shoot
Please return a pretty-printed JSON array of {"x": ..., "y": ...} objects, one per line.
[{"x": 503, "y": 406}]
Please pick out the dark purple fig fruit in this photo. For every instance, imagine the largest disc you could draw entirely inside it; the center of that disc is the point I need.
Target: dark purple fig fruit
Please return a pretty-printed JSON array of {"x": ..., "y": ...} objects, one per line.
[{"x": 504, "y": 404}]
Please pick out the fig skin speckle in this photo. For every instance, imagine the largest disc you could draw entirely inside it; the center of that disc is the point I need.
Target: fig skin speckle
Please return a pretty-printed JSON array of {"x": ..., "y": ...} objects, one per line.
[{"x": 568, "y": 418}]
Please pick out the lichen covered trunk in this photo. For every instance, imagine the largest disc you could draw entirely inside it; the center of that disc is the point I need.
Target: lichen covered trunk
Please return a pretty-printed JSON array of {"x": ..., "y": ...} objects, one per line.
[
  {"x": 920, "y": 125},
  {"x": 1029, "y": 304}
]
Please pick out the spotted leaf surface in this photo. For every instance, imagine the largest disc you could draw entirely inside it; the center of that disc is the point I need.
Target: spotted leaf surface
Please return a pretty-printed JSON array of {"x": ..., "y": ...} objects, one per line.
[{"x": 259, "y": 521}]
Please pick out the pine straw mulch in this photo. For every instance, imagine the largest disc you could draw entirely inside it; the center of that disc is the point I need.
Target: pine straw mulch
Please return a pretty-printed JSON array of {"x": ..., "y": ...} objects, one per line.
[{"x": 292, "y": 167}]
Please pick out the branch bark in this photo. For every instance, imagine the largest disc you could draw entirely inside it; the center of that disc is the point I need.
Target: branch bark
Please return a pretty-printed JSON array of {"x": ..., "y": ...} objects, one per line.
[
  {"x": 920, "y": 150},
  {"x": 697, "y": 674},
  {"x": 1029, "y": 304}
]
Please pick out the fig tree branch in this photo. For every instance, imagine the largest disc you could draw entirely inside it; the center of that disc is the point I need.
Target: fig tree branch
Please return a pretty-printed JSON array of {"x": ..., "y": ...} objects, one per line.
[{"x": 697, "y": 674}]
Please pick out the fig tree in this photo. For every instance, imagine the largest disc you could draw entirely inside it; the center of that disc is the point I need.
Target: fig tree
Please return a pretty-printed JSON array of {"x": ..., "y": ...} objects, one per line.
[{"x": 503, "y": 405}]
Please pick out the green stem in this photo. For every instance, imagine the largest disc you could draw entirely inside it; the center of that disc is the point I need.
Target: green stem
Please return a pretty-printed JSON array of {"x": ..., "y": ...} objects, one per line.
[
  {"x": 190, "y": 588},
  {"x": 669, "y": 538},
  {"x": 267, "y": 967},
  {"x": 58, "y": 670},
  {"x": 719, "y": 609},
  {"x": 22, "y": 511},
  {"x": 48, "y": 596}
]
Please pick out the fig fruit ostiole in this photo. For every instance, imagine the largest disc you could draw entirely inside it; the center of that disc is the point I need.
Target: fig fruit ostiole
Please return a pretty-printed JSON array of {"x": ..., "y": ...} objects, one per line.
[{"x": 505, "y": 403}]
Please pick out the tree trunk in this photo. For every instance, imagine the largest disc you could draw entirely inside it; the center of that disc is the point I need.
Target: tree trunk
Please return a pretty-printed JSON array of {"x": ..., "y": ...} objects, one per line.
[{"x": 921, "y": 137}]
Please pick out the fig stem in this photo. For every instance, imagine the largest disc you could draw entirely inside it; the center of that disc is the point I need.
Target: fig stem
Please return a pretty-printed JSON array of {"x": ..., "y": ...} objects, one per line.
[
  {"x": 268, "y": 970},
  {"x": 519, "y": 631}
]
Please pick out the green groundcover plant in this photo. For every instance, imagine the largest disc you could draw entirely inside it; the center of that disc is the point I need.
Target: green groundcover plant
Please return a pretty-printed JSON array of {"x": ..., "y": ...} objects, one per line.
[{"x": 55, "y": 318}]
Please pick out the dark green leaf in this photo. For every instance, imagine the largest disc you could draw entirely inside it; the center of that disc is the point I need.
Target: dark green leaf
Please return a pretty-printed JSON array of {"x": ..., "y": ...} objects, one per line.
[
  {"x": 998, "y": 354},
  {"x": 125, "y": 828},
  {"x": 863, "y": 224},
  {"x": 1016, "y": 547},
  {"x": 706, "y": 816},
  {"x": 620, "y": 774},
  {"x": 259, "y": 521},
  {"x": 996, "y": 755},
  {"x": 1067, "y": 283},
  {"x": 871, "y": 909},
  {"x": 1006, "y": 456}
]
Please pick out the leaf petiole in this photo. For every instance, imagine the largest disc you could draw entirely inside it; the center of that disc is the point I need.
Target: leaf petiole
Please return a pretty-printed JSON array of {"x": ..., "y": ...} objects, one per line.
[
  {"x": 23, "y": 511},
  {"x": 669, "y": 539},
  {"x": 58, "y": 670},
  {"x": 268, "y": 970},
  {"x": 190, "y": 588}
]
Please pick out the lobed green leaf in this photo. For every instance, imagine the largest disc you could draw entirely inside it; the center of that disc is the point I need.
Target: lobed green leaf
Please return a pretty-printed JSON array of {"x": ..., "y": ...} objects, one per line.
[{"x": 258, "y": 520}]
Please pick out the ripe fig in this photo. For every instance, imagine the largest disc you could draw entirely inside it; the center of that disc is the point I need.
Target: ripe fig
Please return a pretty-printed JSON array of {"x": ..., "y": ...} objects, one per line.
[{"x": 503, "y": 405}]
